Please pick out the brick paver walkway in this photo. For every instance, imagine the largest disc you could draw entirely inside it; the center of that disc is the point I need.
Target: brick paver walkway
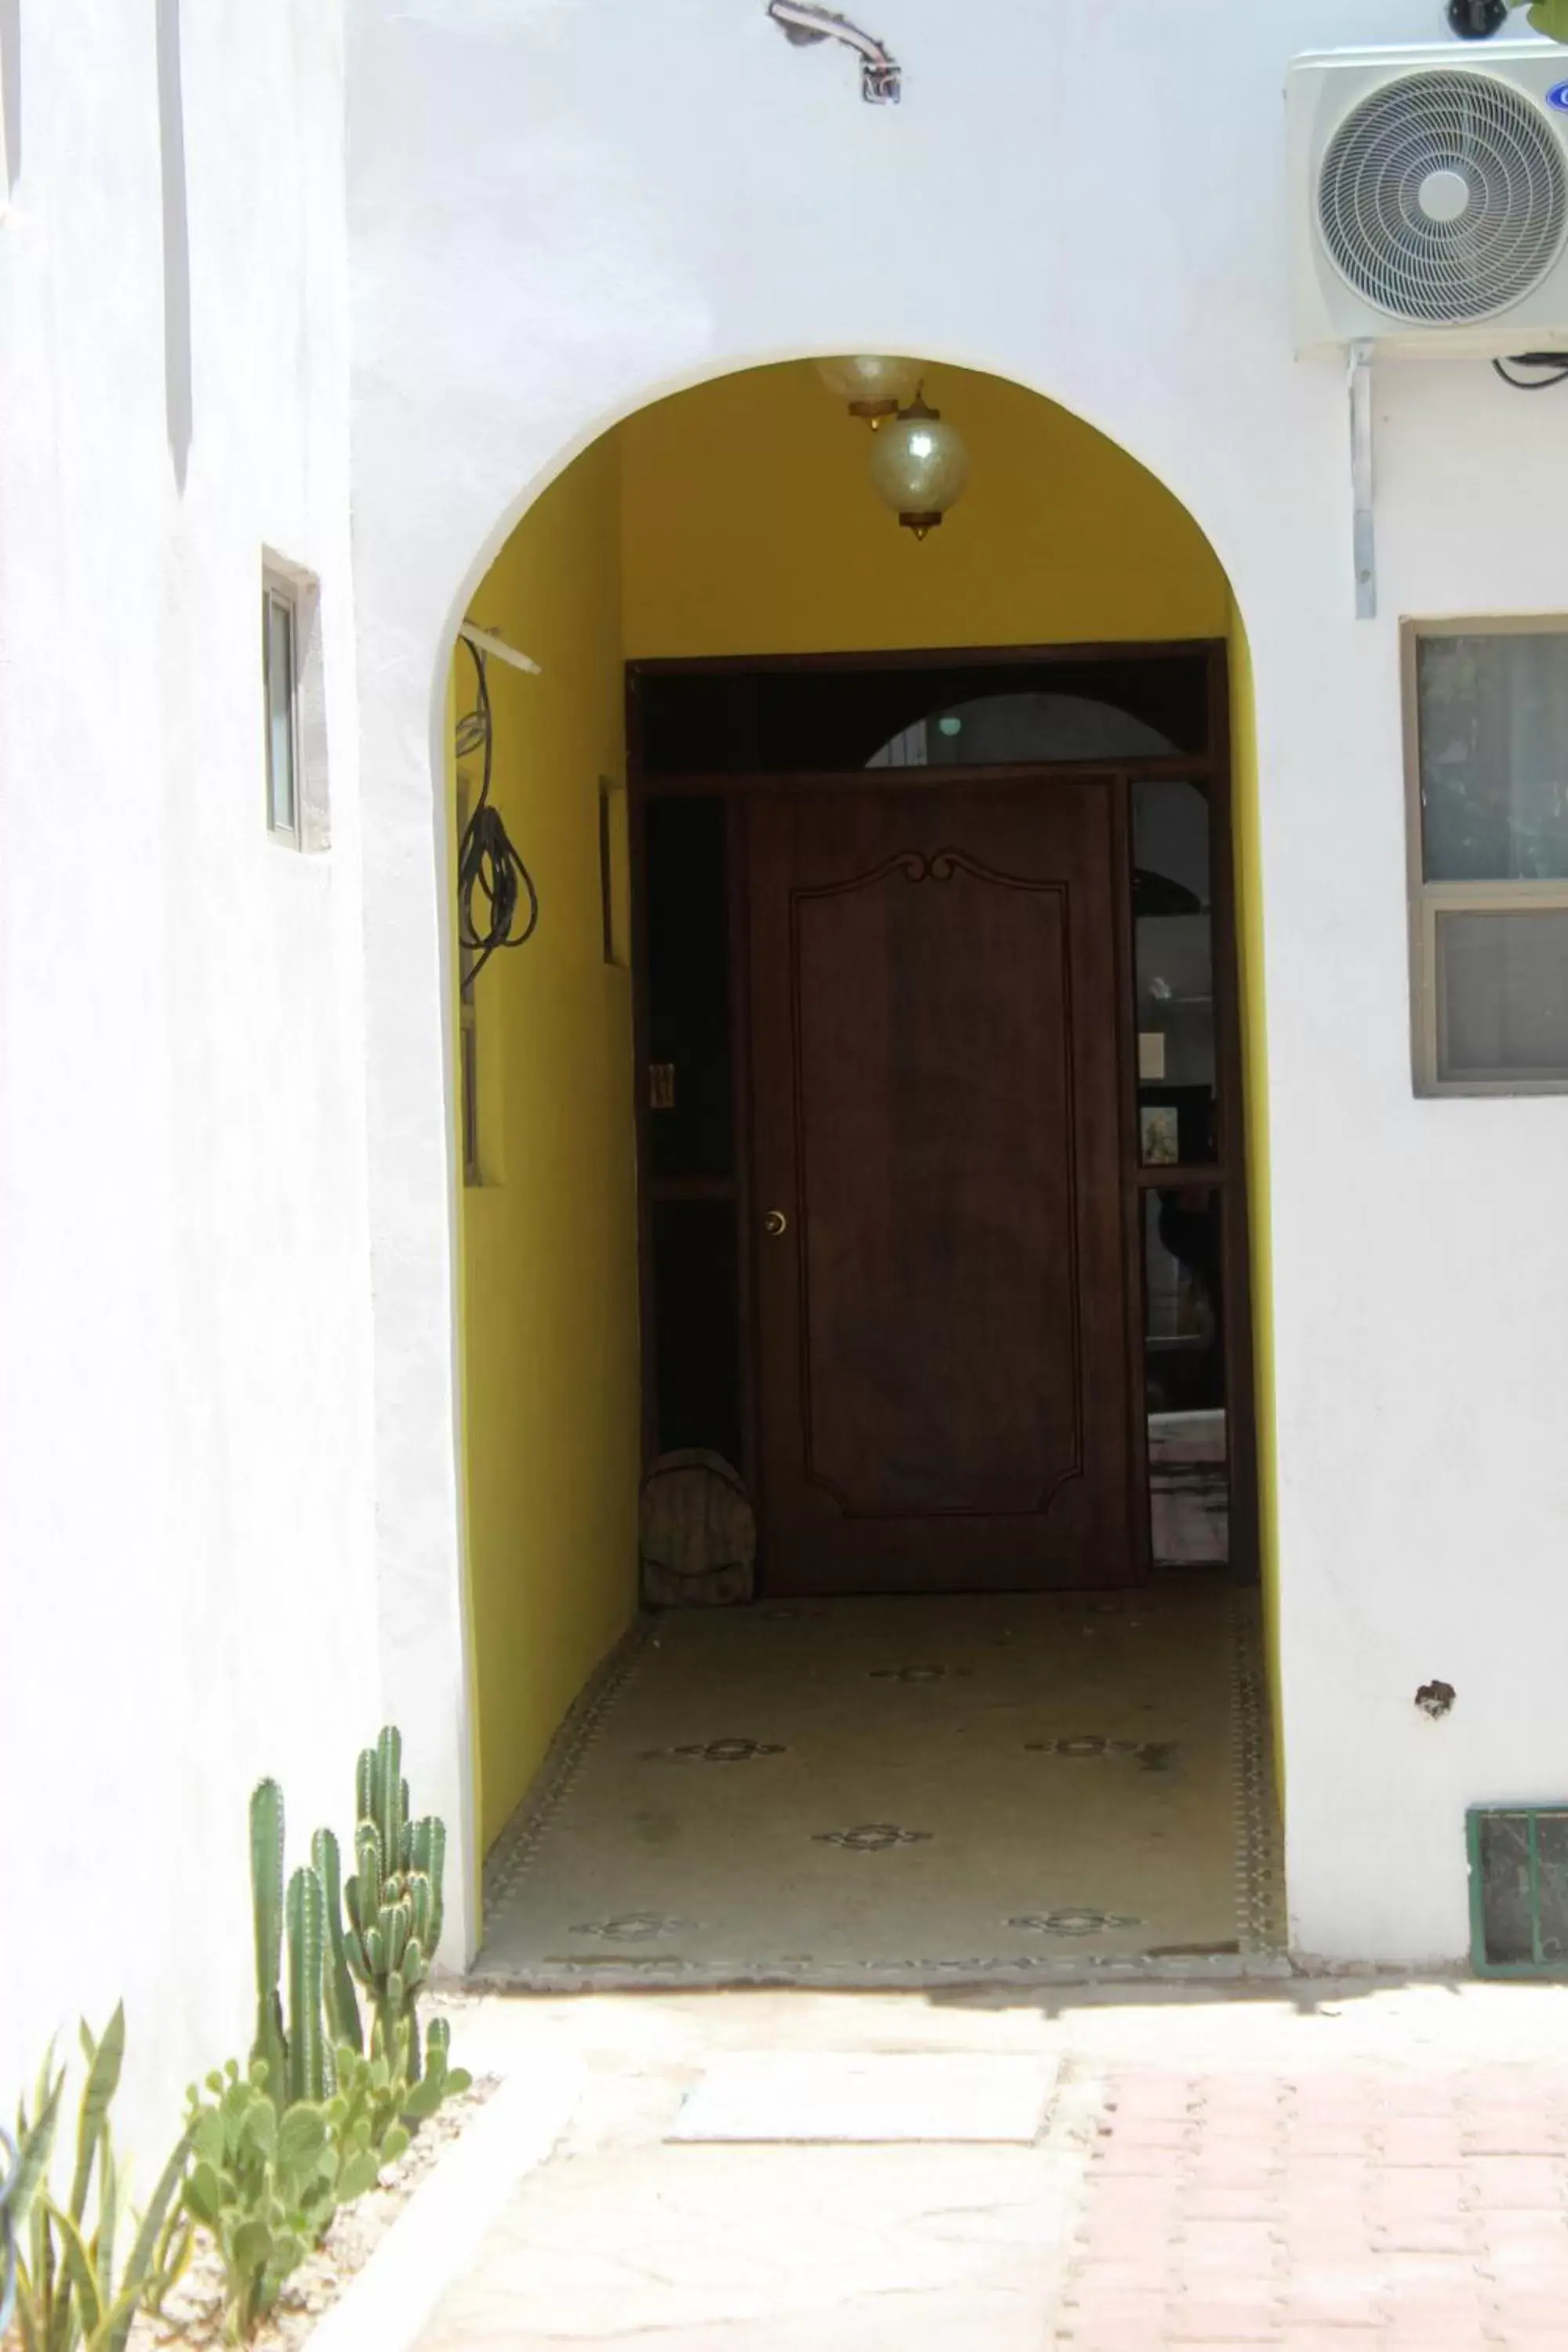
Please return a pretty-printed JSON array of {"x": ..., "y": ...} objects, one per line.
[
  {"x": 1346, "y": 2165},
  {"x": 1324, "y": 2213}
]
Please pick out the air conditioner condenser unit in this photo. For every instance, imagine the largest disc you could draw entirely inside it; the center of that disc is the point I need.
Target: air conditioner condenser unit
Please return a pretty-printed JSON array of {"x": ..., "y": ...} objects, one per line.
[{"x": 1429, "y": 198}]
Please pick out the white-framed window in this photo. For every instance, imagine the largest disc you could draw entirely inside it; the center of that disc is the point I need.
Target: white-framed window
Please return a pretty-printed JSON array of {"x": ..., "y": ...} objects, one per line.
[
  {"x": 1487, "y": 745},
  {"x": 295, "y": 733}
]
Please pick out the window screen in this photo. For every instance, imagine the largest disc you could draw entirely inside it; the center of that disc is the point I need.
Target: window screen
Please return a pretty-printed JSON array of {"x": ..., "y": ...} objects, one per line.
[{"x": 1488, "y": 719}]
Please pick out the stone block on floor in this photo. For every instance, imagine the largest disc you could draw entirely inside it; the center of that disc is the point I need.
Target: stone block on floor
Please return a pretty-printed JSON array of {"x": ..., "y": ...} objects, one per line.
[{"x": 756, "y": 2095}]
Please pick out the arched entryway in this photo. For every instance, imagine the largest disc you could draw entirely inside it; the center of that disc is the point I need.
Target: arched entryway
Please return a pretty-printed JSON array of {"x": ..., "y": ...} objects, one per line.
[{"x": 1065, "y": 650}]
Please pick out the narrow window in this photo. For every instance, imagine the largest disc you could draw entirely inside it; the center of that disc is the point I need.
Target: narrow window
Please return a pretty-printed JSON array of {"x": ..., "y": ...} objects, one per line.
[
  {"x": 282, "y": 730},
  {"x": 612, "y": 870},
  {"x": 606, "y": 878},
  {"x": 296, "y": 746},
  {"x": 1487, "y": 722}
]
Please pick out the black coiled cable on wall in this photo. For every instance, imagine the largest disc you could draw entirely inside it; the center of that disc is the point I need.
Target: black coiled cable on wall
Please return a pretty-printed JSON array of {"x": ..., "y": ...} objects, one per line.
[{"x": 489, "y": 871}]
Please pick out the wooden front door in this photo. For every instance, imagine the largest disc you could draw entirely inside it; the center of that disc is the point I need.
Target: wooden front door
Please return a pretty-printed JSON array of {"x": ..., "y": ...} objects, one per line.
[{"x": 941, "y": 1286}]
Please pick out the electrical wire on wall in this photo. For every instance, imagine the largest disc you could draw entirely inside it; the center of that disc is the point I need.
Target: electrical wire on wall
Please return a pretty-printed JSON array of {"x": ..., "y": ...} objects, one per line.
[
  {"x": 492, "y": 880},
  {"x": 1547, "y": 369}
]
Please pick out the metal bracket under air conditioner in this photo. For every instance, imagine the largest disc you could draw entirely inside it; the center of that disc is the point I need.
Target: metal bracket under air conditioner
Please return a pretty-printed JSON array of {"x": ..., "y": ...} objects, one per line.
[
  {"x": 881, "y": 78},
  {"x": 1363, "y": 544}
]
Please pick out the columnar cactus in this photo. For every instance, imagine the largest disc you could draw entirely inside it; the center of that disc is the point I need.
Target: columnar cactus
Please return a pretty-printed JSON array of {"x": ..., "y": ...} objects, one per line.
[
  {"x": 310, "y": 2059},
  {"x": 393, "y": 1900},
  {"x": 267, "y": 1903},
  {"x": 299, "y": 2061},
  {"x": 338, "y": 1986},
  {"x": 429, "y": 1845}
]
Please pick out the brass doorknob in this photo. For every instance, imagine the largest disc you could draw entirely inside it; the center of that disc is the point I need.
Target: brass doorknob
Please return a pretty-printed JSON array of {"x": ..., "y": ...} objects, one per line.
[{"x": 775, "y": 1223}]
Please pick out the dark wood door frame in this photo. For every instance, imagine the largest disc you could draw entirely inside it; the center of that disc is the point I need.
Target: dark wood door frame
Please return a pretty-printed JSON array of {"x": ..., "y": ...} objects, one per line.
[{"x": 1210, "y": 768}]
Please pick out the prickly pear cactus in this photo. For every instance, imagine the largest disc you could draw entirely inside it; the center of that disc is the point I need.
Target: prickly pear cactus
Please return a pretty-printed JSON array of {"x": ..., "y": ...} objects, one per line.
[
  {"x": 365, "y": 2117},
  {"x": 263, "y": 2185},
  {"x": 441, "y": 2079}
]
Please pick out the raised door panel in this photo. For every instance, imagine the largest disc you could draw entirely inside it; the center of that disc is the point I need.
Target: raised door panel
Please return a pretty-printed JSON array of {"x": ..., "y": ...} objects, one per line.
[
  {"x": 934, "y": 1171},
  {"x": 941, "y": 1333}
]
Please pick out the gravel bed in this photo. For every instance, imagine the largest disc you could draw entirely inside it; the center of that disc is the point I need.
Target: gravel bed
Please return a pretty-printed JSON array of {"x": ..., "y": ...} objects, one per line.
[{"x": 192, "y": 2315}]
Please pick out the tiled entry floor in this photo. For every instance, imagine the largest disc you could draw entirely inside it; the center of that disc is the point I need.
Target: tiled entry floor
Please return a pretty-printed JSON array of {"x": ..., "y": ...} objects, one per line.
[{"x": 988, "y": 1788}]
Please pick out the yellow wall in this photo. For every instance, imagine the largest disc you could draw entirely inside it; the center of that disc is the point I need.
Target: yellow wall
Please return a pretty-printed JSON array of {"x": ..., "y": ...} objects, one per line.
[
  {"x": 549, "y": 1250},
  {"x": 733, "y": 519},
  {"x": 1255, "y": 1077},
  {"x": 749, "y": 527}
]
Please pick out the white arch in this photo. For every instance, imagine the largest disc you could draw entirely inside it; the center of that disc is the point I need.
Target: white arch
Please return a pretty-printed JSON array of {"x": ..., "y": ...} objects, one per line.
[
  {"x": 465, "y": 581},
  {"x": 649, "y": 393}
]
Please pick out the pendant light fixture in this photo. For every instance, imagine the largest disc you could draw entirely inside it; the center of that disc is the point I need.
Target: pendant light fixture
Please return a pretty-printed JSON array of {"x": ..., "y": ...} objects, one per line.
[
  {"x": 918, "y": 465},
  {"x": 874, "y": 388}
]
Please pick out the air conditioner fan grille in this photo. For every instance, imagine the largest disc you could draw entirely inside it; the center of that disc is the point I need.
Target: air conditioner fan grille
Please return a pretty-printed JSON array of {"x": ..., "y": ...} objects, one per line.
[{"x": 1442, "y": 197}]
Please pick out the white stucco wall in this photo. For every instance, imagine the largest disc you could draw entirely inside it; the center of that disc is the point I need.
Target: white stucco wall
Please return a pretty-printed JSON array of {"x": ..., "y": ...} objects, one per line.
[
  {"x": 185, "y": 1528},
  {"x": 559, "y": 210},
  {"x": 228, "y": 1514}
]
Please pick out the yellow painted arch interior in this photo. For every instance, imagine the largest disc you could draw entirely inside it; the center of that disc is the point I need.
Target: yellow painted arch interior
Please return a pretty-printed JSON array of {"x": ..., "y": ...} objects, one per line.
[{"x": 733, "y": 519}]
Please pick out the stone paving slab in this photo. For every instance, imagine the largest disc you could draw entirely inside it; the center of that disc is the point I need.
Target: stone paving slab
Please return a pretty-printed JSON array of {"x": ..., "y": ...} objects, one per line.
[
  {"x": 768, "y": 2247},
  {"x": 1353, "y": 2166},
  {"x": 828, "y": 2096}
]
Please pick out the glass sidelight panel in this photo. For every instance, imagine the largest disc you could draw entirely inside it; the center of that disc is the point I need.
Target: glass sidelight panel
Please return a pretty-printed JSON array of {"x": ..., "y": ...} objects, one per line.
[
  {"x": 1184, "y": 1375},
  {"x": 1172, "y": 924},
  {"x": 697, "y": 1326},
  {"x": 690, "y": 1088}
]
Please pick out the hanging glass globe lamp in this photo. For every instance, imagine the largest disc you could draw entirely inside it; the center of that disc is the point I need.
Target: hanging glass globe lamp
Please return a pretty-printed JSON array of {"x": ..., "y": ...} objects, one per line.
[
  {"x": 874, "y": 388},
  {"x": 918, "y": 465}
]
